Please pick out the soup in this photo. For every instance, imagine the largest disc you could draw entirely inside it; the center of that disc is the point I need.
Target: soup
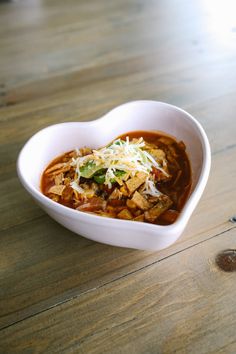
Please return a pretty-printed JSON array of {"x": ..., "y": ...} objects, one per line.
[{"x": 140, "y": 176}]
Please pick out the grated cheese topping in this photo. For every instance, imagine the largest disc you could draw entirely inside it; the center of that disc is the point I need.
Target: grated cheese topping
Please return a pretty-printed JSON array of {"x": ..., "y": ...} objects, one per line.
[{"x": 120, "y": 155}]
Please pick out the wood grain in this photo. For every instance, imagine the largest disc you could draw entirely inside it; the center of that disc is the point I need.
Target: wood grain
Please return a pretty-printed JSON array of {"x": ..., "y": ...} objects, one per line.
[
  {"x": 65, "y": 263},
  {"x": 177, "y": 305},
  {"x": 76, "y": 60}
]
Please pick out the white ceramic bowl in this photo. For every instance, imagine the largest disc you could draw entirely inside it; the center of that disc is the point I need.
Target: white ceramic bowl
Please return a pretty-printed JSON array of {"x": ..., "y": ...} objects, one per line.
[{"x": 138, "y": 115}]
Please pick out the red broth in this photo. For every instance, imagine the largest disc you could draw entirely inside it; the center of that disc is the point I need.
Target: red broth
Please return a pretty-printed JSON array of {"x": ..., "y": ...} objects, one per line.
[{"x": 122, "y": 199}]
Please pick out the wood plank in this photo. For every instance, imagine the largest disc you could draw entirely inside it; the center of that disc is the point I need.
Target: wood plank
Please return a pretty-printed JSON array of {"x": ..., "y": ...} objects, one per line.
[
  {"x": 17, "y": 207},
  {"x": 138, "y": 67},
  {"x": 49, "y": 58},
  {"x": 184, "y": 304},
  {"x": 67, "y": 265},
  {"x": 123, "y": 81},
  {"x": 86, "y": 38}
]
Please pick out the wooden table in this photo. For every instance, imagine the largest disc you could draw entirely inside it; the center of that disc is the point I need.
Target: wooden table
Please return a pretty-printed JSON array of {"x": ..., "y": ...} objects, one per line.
[{"x": 74, "y": 61}]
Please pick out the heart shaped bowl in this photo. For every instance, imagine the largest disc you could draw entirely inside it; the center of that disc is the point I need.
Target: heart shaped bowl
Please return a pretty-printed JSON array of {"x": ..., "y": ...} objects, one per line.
[{"x": 57, "y": 139}]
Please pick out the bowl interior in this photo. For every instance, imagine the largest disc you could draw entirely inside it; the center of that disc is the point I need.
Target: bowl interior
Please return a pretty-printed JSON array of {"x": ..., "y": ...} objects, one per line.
[{"x": 141, "y": 115}]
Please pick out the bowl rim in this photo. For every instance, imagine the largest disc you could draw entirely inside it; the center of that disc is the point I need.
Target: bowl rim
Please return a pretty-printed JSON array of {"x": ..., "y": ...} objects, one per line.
[{"x": 185, "y": 213}]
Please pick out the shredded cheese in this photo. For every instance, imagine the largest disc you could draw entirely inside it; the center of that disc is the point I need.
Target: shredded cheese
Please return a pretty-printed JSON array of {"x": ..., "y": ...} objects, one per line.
[
  {"x": 76, "y": 187},
  {"x": 150, "y": 188},
  {"x": 122, "y": 156}
]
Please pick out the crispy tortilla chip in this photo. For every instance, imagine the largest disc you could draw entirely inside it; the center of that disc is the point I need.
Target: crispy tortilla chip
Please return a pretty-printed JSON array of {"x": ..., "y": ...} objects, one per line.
[
  {"x": 58, "y": 168},
  {"x": 140, "y": 201},
  {"x": 139, "y": 218},
  {"x": 125, "y": 214},
  {"x": 133, "y": 183},
  {"x": 58, "y": 179},
  {"x": 57, "y": 189}
]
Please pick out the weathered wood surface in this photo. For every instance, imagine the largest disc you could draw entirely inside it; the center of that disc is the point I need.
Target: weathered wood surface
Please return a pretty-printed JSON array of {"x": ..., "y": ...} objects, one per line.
[
  {"x": 160, "y": 308},
  {"x": 75, "y": 60}
]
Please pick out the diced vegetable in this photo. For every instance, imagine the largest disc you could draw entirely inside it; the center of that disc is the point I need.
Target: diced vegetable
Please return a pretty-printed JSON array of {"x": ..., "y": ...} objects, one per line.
[{"x": 89, "y": 169}]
